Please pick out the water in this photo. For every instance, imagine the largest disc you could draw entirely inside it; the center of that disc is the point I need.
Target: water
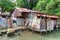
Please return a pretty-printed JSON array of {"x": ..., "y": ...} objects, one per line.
[{"x": 29, "y": 35}]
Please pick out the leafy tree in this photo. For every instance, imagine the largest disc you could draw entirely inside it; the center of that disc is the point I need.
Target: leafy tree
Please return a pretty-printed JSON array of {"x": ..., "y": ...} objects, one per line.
[
  {"x": 41, "y": 5},
  {"x": 33, "y": 3},
  {"x": 6, "y": 5},
  {"x": 51, "y": 7},
  {"x": 29, "y": 4},
  {"x": 19, "y": 3}
]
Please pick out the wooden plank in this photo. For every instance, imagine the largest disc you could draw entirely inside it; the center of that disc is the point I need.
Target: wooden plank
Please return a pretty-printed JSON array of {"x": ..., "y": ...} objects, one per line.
[{"x": 6, "y": 31}]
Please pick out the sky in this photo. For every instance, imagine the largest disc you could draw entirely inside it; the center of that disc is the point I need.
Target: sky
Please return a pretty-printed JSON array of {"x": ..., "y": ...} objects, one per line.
[{"x": 13, "y": 1}]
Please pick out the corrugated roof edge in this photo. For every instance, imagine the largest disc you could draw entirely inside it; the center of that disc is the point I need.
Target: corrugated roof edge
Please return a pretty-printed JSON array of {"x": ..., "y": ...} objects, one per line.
[{"x": 34, "y": 11}]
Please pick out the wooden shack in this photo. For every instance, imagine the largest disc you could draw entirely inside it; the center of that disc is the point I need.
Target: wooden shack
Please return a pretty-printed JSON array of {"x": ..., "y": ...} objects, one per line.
[
  {"x": 3, "y": 20},
  {"x": 42, "y": 22},
  {"x": 22, "y": 16},
  {"x": 52, "y": 22},
  {"x": 36, "y": 20}
]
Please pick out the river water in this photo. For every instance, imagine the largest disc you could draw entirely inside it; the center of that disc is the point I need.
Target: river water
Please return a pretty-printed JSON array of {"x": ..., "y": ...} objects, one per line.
[{"x": 29, "y": 35}]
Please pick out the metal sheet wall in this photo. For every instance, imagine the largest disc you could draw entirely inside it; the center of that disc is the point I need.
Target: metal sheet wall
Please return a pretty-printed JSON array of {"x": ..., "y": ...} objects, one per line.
[
  {"x": 38, "y": 24},
  {"x": 20, "y": 21},
  {"x": 3, "y": 22},
  {"x": 50, "y": 25},
  {"x": 31, "y": 19}
]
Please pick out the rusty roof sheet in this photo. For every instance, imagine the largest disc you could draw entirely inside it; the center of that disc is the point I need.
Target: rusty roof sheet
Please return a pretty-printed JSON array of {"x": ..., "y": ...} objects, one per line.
[
  {"x": 19, "y": 10},
  {"x": 27, "y": 10},
  {"x": 50, "y": 16},
  {"x": 33, "y": 11},
  {"x": 23, "y": 9}
]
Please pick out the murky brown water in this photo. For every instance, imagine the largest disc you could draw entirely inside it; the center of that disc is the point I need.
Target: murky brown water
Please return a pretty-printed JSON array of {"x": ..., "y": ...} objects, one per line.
[{"x": 29, "y": 35}]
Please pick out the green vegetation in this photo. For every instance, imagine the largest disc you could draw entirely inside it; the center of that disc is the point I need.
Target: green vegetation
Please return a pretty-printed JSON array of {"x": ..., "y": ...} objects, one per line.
[
  {"x": 51, "y": 7},
  {"x": 29, "y": 4},
  {"x": 6, "y": 5}
]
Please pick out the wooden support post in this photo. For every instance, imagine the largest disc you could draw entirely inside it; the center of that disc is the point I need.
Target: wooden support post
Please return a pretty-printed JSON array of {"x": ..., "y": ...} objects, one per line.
[{"x": 46, "y": 23}]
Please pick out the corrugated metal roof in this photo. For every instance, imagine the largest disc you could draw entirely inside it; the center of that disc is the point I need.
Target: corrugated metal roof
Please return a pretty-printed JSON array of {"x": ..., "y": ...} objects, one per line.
[
  {"x": 27, "y": 10},
  {"x": 18, "y": 10},
  {"x": 23, "y": 9},
  {"x": 6, "y": 13},
  {"x": 50, "y": 16}
]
